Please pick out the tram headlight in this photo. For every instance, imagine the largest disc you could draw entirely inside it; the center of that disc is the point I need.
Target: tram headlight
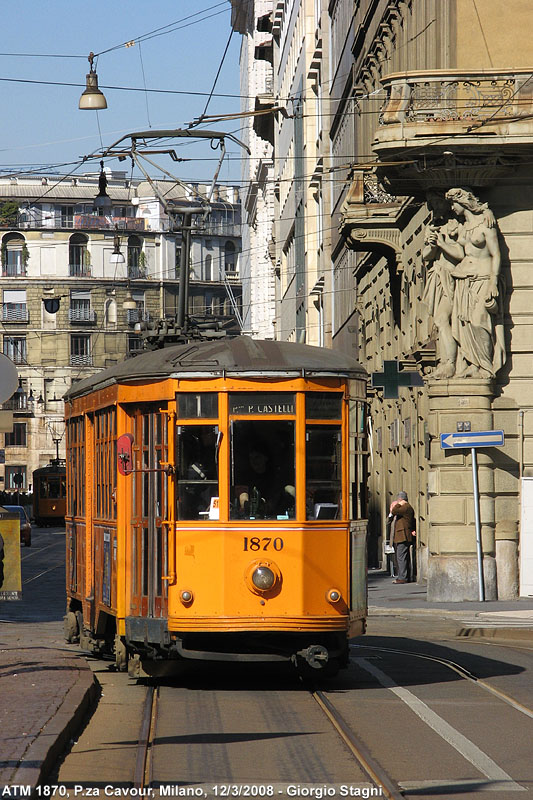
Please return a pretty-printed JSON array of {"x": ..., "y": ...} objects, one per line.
[
  {"x": 333, "y": 596},
  {"x": 186, "y": 597},
  {"x": 263, "y": 578}
]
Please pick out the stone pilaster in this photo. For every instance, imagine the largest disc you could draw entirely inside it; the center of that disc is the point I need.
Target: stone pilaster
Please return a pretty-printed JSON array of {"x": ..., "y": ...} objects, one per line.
[{"x": 452, "y": 565}]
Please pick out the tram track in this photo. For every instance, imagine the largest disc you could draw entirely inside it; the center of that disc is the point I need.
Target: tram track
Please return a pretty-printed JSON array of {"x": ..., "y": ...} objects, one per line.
[
  {"x": 358, "y": 749},
  {"x": 143, "y": 761},
  {"x": 459, "y": 670}
]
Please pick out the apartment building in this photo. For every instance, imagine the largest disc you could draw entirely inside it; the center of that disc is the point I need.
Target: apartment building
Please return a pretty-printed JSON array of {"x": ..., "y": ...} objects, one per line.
[
  {"x": 67, "y": 268},
  {"x": 407, "y": 140}
]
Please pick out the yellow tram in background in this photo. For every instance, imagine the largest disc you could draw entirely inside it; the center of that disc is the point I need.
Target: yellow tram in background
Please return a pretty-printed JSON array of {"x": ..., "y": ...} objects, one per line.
[{"x": 216, "y": 506}]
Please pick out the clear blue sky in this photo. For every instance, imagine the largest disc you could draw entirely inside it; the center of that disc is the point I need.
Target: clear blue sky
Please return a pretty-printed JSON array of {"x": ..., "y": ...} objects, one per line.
[{"x": 41, "y": 124}]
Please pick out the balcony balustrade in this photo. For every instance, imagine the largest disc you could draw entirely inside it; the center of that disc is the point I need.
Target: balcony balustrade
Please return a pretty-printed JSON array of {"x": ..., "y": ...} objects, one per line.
[
  {"x": 79, "y": 271},
  {"x": 136, "y": 273},
  {"x": 13, "y": 271},
  {"x": 81, "y": 360},
  {"x": 76, "y": 222},
  {"x": 488, "y": 115},
  {"x": 82, "y": 316},
  {"x": 136, "y": 315},
  {"x": 15, "y": 312}
]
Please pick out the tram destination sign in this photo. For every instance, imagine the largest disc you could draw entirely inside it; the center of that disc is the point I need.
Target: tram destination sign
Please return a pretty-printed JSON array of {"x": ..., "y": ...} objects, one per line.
[
  {"x": 455, "y": 441},
  {"x": 262, "y": 403}
]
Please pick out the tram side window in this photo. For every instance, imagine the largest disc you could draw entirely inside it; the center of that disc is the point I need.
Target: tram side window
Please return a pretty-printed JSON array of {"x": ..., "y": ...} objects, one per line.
[
  {"x": 323, "y": 469},
  {"x": 262, "y": 470},
  {"x": 197, "y": 462}
]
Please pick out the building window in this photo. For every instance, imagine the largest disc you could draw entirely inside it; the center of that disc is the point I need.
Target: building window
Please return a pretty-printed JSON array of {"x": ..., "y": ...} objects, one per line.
[
  {"x": 80, "y": 307},
  {"x": 140, "y": 314},
  {"x": 15, "y": 479},
  {"x": 230, "y": 258},
  {"x": 14, "y": 307},
  {"x": 66, "y": 214},
  {"x": 135, "y": 343},
  {"x": 208, "y": 268},
  {"x": 15, "y": 349},
  {"x": 78, "y": 256},
  {"x": 136, "y": 266},
  {"x": 14, "y": 255},
  {"x": 17, "y": 437},
  {"x": 178, "y": 260},
  {"x": 80, "y": 350}
]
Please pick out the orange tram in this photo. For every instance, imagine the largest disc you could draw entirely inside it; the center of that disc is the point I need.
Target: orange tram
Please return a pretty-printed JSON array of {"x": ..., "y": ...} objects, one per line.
[{"x": 215, "y": 506}]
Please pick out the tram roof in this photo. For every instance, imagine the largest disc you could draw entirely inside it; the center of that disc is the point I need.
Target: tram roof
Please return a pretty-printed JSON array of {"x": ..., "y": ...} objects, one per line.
[{"x": 238, "y": 356}]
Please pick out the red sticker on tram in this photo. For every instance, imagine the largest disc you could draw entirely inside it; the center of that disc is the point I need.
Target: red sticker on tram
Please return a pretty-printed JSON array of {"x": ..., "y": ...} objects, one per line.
[{"x": 125, "y": 453}]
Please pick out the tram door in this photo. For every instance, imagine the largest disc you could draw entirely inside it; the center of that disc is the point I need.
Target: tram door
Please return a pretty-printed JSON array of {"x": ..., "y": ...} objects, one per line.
[{"x": 149, "y": 545}]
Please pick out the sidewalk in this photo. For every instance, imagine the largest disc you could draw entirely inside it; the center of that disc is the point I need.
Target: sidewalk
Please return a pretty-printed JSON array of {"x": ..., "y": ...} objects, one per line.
[
  {"x": 46, "y": 690},
  {"x": 506, "y": 619}
]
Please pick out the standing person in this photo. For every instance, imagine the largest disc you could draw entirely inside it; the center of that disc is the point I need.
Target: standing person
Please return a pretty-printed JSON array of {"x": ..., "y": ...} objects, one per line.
[{"x": 404, "y": 532}]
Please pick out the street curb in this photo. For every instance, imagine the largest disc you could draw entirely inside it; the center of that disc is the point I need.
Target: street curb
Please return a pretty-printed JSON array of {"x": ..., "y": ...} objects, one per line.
[
  {"x": 56, "y": 734},
  {"x": 381, "y": 611},
  {"x": 504, "y": 634}
]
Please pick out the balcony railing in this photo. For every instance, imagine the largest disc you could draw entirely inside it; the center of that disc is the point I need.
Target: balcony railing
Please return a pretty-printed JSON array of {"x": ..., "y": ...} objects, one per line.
[
  {"x": 82, "y": 316},
  {"x": 136, "y": 272},
  {"x": 134, "y": 316},
  {"x": 15, "y": 312},
  {"x": 79, "y": 271},
  {"x": 218, "y": 229},
  {"x": 81, "y": 360},
  {"x": 13, "y": 272},
  {"x": 448, "y": 96},
  {"x": 77, "y": 222}
]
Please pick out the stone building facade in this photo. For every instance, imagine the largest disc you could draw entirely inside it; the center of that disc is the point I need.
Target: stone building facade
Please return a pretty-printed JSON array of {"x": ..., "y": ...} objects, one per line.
[
  {"x": 419, "y": 100},
  {"x": 62, "y": 315},
  {"x": 253, "y": 21}
]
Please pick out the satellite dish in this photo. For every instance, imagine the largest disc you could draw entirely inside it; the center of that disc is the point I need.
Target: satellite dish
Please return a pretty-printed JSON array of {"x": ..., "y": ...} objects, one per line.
[{"x": 8, "y": 378}]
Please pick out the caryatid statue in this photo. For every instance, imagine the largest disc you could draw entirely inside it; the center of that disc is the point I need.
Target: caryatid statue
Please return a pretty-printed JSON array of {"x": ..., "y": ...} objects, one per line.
[{"x": 463, "y": 288}]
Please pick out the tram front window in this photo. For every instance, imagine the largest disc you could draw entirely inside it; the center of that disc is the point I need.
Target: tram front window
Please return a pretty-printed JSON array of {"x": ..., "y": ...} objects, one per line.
[
  {"x": 323, "y": 472},
  {"x": 262, "y": 470},
  {"x": 197, "y": 464}
]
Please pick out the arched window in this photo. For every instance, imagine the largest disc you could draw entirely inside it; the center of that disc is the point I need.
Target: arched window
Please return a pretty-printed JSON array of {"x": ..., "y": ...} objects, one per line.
[
  {"x": 135, "y": 257},
  {"x": 230, "y": 258},
  {"x": 78, "y": 256},
  {"x": 14, "y": 255},
  {"x": 208, "y": 268}
]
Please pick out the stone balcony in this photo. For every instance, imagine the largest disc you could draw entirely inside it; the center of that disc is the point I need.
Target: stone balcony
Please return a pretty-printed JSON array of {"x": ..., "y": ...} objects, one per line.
[
  {"x": 450, "y": 127},
  {"x": 370, "y": 216}
]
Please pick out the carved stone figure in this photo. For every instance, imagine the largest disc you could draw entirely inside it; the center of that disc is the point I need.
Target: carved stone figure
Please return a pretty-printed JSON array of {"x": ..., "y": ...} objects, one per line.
[
  {"x": 467, "y": 253},
  {"x": 439, "y": 286}
]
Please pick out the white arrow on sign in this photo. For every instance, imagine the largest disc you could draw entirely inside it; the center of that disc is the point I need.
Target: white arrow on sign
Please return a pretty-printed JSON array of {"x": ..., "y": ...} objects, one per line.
[{"x": 473, "y": 439}]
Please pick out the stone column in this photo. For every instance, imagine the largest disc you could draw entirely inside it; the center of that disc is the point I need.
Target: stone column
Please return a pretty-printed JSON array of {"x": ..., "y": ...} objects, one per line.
[
  {"x": 452, "y": 564},
  {"x": 507, "y": 558}
]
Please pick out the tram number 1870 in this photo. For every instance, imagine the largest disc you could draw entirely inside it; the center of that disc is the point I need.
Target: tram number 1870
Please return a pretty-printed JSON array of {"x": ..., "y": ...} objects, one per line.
[{"x": 266, "y": 543}]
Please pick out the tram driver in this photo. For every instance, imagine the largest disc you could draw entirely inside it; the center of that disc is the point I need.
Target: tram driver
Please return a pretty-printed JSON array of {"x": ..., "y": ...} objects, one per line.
[{"x": 265, "y": 489}]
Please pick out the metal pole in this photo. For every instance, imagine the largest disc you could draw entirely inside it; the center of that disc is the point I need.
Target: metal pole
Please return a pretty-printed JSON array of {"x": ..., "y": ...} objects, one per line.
[
  {"x": 478, "y": 526},
  {"x": 183, "y": 296}
]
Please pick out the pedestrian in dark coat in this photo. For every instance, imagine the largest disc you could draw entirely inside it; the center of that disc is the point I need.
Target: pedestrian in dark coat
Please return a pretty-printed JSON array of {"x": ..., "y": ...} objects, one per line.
[{"x": 404, "y": 535}]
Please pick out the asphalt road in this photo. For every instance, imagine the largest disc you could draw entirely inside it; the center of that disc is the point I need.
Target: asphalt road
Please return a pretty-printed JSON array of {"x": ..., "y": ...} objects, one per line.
[{"x": 440, "y": 716}]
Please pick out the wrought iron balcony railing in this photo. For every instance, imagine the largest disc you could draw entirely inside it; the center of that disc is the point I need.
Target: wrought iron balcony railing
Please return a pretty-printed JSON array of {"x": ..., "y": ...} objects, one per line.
[
  {"x": 82, "y": 316},
  {"x": 453, "y": 95},
  {"x": 79, "y": 271},
  {"x": 136, "y": 315},
  {"x": 15, "y": 312},
  {"x": 81, "y": 360}
]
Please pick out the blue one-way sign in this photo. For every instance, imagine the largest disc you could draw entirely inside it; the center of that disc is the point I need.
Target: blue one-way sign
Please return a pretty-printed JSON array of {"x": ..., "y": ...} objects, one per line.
[{"x": 472, "y": 439}]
